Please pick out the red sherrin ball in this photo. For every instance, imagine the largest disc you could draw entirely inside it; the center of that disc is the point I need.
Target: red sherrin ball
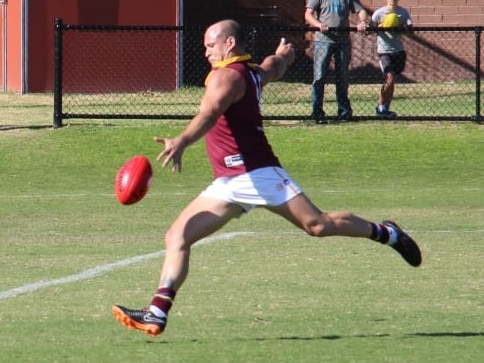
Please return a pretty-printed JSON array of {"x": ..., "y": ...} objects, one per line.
[{"x": 133, "y": 180}]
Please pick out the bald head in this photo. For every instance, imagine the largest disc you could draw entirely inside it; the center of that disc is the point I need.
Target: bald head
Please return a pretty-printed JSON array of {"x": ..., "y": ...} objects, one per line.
[
  {"x": 224, "y": 29},
  {"x": 223, "y": 40}
]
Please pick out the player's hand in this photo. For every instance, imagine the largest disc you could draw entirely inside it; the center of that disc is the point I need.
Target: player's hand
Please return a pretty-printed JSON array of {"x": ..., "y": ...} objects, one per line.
[
  {"x": 286, "y": 50},
  {"x": 172, "y": 152}
]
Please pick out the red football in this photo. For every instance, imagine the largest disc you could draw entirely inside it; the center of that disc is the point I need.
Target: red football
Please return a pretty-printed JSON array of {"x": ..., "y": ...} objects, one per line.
[{"x": 133, "y": 180}]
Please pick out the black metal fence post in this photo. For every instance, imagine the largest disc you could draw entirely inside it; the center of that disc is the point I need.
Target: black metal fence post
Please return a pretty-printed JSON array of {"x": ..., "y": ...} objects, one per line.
[
  {"x": 478, "y": 74},
  {"x": 58, "y": 25},
  {"x": 253, "y": 40}
]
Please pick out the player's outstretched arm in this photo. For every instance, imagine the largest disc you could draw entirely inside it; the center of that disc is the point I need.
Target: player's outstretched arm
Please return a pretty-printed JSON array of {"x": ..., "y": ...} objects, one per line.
[{"x": 274, "y": 66}]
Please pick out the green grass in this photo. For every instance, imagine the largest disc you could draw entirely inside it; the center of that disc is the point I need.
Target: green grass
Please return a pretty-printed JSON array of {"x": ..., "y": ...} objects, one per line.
[
  {"x": 290, "y": 99},
  {"x": 270, "y": 294}
]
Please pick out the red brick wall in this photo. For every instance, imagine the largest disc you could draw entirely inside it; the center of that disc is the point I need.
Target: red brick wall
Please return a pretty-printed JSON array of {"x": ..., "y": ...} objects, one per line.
[
  {"x": 454, "y": 56},
  {"x": 425, "y": 48},
  {"x": 291, "y": 12},
  {"x": 440, "y": 12},
  {"x": 248, "y": 12},
  {"x": 87, "y": 12}
]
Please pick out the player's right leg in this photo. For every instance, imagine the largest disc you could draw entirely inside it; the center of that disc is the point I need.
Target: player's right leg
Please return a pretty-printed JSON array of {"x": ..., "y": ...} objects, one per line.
[{"x": 200, "y": 218}]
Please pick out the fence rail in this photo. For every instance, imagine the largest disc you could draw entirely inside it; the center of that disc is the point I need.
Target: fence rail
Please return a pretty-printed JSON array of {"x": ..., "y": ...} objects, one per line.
[{"x": 157, "y": 72}]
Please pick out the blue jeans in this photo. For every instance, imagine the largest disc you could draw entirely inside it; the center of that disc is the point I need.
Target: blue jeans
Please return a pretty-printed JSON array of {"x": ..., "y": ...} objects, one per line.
[{"x": 323, "y": 51}]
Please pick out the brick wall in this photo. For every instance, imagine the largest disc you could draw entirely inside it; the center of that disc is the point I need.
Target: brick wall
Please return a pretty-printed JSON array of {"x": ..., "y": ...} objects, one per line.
[
  {"x": 422, "y": 47},
  {"x": 440, "y": 12},
  {"x": 456, "y": 52},
  {"x": 291, "y": 12}
]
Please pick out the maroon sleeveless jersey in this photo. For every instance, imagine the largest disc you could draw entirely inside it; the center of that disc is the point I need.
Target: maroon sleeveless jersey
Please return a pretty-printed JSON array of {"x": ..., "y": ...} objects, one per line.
[{"x": 237, "y": 143}]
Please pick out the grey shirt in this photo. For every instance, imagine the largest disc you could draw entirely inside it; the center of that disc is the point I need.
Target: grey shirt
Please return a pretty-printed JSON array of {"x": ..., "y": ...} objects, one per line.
[
  {"x": 390, "y": 42},
  {"x": 334, "y": 13}
]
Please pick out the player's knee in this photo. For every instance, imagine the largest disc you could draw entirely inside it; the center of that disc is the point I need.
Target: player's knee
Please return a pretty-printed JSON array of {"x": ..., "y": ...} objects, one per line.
[
  {"x": 320, "y": 227},
  {"x": 319, "y": 230},
  {"x": 175, "y": 241}
]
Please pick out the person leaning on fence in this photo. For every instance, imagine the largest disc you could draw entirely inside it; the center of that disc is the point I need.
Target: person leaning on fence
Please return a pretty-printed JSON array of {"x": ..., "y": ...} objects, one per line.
[
  {"x": 246, "y": 171},
  {"x": 326, "y": 14},
  {"x": 391, "y": 52}
]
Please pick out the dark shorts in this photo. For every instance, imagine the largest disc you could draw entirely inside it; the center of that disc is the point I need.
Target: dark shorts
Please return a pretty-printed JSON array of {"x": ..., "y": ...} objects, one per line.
[{"x": 393, "y": 62}]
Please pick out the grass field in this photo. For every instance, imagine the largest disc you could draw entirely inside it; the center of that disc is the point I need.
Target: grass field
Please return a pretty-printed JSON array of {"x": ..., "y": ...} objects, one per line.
[
  {"x": 259, "y": 290},
  {"x": 283, "y": 99}
]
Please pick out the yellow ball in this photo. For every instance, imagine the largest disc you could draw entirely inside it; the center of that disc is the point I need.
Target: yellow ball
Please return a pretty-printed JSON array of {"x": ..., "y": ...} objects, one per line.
[{"x": 391, "y": 21}]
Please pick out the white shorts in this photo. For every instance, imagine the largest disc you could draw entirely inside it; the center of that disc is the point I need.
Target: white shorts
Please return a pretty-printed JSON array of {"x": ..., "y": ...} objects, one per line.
[{"x": 270, "y": 186}]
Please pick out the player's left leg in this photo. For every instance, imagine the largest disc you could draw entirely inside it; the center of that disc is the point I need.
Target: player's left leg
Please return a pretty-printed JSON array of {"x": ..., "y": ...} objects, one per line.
[{"x": 305, "y": 215}]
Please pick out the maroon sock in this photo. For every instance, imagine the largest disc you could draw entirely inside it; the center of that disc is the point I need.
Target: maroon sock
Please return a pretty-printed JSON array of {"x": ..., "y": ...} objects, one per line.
[
  {"x": 163, "y": 299},
  {"x": 379, "y": 233}
]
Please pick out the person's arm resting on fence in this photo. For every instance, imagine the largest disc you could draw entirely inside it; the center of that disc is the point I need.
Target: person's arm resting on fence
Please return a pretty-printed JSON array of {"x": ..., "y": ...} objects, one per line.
[
  {"x": 311, "y": 18},
  {"x": 363, "y": 16}
]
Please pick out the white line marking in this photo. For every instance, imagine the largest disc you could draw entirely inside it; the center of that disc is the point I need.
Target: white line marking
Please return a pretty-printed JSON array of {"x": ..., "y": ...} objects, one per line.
[
  {"x": 99, "y": 270},
  {"x": 155, "y": 193}
]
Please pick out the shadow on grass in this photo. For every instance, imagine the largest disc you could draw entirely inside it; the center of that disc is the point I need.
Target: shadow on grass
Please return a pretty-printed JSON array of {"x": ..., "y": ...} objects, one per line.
[
  {"x": 382, "y": 335},
  {"x": 25, "y": 127},
  {"x": 337, "y": 337},
  {"x": 293, "y": 338},
  {"x": 40, "y": 127},
  {"x": 462, "y": 334},
  {"x": 163, "y": 342},
  {"x": 326, "y": 337}
]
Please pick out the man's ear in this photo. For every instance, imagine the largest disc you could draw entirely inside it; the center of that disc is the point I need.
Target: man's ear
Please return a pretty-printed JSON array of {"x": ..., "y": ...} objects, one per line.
[{"x": 230, "y": 43}]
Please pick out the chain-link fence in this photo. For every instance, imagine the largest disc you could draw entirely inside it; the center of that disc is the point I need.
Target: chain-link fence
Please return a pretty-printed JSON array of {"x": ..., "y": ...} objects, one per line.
[{"x": 137, "y": 72}]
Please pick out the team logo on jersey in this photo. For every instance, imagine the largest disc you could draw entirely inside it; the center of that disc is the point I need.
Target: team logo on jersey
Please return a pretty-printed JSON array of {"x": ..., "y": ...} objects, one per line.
[{"x": 233, "y": 160}]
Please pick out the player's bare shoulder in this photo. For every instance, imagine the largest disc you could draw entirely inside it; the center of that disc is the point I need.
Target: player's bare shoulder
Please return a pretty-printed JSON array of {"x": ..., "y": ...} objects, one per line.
[{"x": 227, "y": 82}]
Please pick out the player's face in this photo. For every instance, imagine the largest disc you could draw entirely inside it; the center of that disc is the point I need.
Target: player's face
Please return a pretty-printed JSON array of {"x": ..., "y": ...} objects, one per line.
[{"x": 216, "y": 49}]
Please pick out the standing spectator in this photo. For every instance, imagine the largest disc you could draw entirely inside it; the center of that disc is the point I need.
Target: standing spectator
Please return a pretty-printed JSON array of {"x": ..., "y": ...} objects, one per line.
[
  {"x": 326, "y": 14},
  {"x": 391, "y": 53}
]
